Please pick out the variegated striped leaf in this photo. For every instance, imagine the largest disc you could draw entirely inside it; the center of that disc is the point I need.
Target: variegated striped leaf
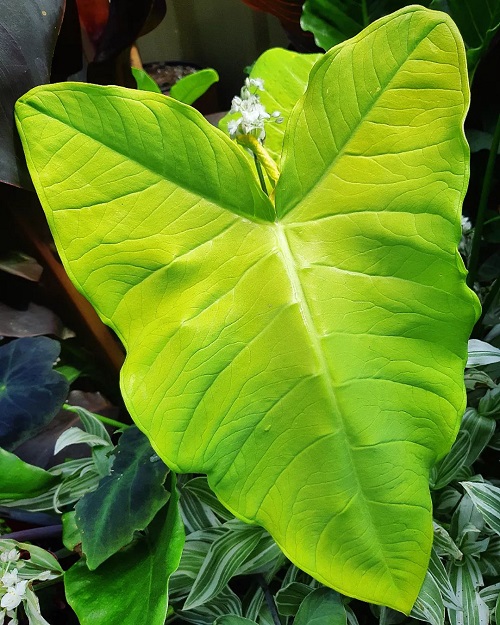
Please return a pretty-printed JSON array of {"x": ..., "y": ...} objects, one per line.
[
  {"x": 196, "y": 514},
  {"x": 227, "y": 602},
  {"x": 224, "y": 558},
  {"x": 429, "y": 604},
  {"x": 490, "y": 595},
  {"x": 448, "y": 469},
  {"x": 480, "y": 429},
  {"x": 266, "y": 557},
  {"x": 486, "y": 498},
  {"x": 444, "y": 545},
  {"x": 440, "y": 576},
  {"x": 233, "y": 619},
  {"x": 90, "y": 422},
  {"x": 490, "y": 559},
  {"x": 481, "y": 353},
  {"x": 199, "y": 487},
  {"x": 465, "y": 580}
]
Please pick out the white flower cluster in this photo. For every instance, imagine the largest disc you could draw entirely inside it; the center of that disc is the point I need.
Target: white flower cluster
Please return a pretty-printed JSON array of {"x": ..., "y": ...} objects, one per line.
[
  {"x": 15, "y": 588},
  {"x": 253, "y": 112}
]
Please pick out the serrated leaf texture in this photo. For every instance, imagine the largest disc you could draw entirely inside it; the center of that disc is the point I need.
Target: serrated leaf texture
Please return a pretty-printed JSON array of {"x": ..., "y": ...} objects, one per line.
[{"x": 309, "y": 363}]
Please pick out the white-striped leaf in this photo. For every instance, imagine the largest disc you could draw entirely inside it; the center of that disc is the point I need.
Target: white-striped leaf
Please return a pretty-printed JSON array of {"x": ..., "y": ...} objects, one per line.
[
  {"x": 90, "y": 422},
  {"x": 352, "y": 619},
  {"x": 466, "y": 523},
  {"x": 489, "y": 404},
  {"x": 195, "y": 513},
  {"x": 465, "y": 581},
  {"x": 473, "y": 377},
  {"x": 254, "y": 605},
  {"x": 289, "y": 598},
  {"x": 266, "y": 557},
  {"x": 481, "y": 429},
  {"x": 489, "y": 562},
  {"x": 199, "y": 487},
  {"x": 448, "y": 469},
  {"x": 440, "y": 576},
  {"x": 447, "y": 501},
  {"x": 490, "y": 595},
  {"x": 486, "y": 498},
  {"x": 227, "y": 602},
  {"x": 495, "y": 441},
  {"x": 444, "y": 545},
  {"x": 429, "y": 604},
  {"x": 224, "y": 558},
  {"x": 481, "y": 353},
  {"x": 497, "y": 610},
  {"x": 193, "y": 556},
  {"x": 76, "y": 436}
]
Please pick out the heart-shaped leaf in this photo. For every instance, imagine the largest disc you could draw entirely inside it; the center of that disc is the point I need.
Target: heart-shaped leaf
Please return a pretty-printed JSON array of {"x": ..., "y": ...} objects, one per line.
[
  {"x": 31, "y": 393},
  {"x": 28, "y": 34},
  {"x": 308, "y": 356}
]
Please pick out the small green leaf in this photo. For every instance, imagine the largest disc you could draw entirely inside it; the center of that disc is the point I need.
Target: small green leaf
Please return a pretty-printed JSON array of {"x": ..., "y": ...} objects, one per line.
[
  {"x": 191, "y": 87},
  {"x": 289, "y": 598},
  {"x": 440, "y": 577},
  {"x": 76, "y": 436},
  {"x": 132, "y": 585},
  {"x": 227, "y": 602},
  {"x": 71, "y": 534},
  {"x": 125, "y": 501},
  {"x": 223, "y": 560},
  {"x": 31, "y": 393},
  {"x": 486, "y": 498},
  {"x": 144, "y": 81},
  {"x": 321, "y": 607},
  {"x": 489, "y": 562},
  {"x": 19, "y": 480}
]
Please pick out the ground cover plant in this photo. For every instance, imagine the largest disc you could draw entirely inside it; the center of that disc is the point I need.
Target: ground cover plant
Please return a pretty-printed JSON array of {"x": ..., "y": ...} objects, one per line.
[{"x": 226, "y": 309}]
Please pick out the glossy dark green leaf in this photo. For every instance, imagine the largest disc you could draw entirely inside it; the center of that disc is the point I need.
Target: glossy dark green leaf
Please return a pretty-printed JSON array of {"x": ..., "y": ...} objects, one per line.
[
  {"x": 19, "y": 480},
  {"x": 322, "y": 607},
  {"x": 28, "y": 33},
  {"x": 334, "y": 21},
  {"x": 289, "y": 598},
  {"x": 478, "y": 21},
  {"x": 31, "y": 393},
  {"x": 132, "y": 586},
  {"x": 125, "y": 501}
]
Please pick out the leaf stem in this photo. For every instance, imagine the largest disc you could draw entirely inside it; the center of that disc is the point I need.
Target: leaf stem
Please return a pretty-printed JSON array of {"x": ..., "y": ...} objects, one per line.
[
  {"x": 35, "y": 533},
  {"x": 269, "y": 599},
  {"x": 262, "y": 155},
  {"x": 483, "y": 205},
  {"x": 366, "y": 19},
  {"x": 105, "y": 420}
]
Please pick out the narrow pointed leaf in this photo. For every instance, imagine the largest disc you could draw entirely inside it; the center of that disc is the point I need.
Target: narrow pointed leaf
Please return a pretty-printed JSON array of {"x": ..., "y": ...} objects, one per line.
[
  {"x": 429, "y": 604},
  {"x": 223, "y": 560},
  {"x": 449, "y": 468},
  {"x": 474, "y": 610},
  {"x": 486, "y": 498},
  {"x": 144, "y": 81},
  {"x": 289, "y": 598},
  {"x": 310, "y": 365}
]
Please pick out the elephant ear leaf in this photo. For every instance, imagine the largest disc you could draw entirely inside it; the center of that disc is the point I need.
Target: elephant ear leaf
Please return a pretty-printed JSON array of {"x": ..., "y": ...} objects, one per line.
[{"x": 309, "y": 363}]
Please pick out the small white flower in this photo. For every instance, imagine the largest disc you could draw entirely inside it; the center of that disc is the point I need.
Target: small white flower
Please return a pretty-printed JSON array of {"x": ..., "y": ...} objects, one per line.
[
  {"x": 14, "y": 595},
  {"x": 45, "y": 575},
  {"x": 255, "y": 82},
  {"x": 466, "y": 225},
  {"x": 10, "y": 578},
  {"x": 10, "y": 556}
]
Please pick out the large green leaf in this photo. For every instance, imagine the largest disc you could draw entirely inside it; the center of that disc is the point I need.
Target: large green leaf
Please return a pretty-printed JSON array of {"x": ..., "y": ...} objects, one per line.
[
  {"x": 19, "y": 479},
  {"x": 311, "y": 363}
]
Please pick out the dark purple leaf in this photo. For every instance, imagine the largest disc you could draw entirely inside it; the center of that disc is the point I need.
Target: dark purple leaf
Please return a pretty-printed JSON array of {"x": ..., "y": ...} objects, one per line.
[{"x": 28, "y": 33}]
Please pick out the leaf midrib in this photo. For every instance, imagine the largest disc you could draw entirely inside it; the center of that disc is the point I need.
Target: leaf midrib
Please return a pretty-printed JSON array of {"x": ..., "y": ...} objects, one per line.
[{"x": 291, "y": 270}]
